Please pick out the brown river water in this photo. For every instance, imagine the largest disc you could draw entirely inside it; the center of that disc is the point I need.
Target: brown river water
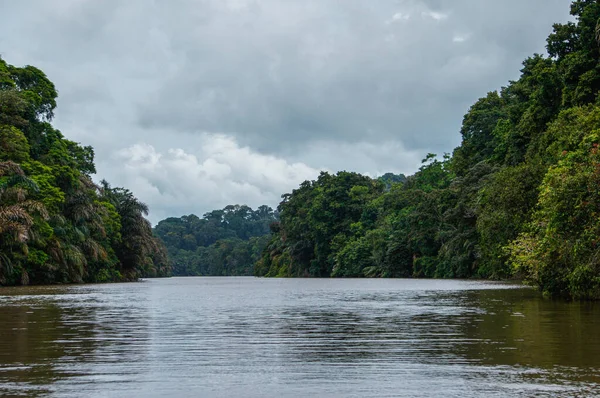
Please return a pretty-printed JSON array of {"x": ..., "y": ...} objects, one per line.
[{"x": 249, "y": 337}]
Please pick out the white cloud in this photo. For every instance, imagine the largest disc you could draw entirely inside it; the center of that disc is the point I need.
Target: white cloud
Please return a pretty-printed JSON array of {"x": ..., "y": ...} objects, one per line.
[
  {"x": 399, "y": 16},
  {"x": 213, "y": 170},
  {"x": 438, "y": 16},
  {"x": 217, "y": 172},
  {"x": 367, "y": 86},
  {"x": 460, "y": 38}
]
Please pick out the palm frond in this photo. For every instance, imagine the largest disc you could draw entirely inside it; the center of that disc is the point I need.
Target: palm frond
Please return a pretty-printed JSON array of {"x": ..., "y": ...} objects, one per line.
[{"x": 10, "y": 167}]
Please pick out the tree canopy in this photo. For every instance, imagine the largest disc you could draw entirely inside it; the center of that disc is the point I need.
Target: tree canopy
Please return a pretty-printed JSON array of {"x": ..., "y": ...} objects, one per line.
[
  {"x": 56, "y": 224},
  {"x": 519, "y": 197},
  {"x": 221, "y": 243}
]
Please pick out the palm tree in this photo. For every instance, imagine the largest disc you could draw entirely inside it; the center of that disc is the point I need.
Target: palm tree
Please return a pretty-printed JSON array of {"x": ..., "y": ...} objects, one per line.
[
  {"x": 16, "y": 215},
  {"x": 139, "y": 249}
]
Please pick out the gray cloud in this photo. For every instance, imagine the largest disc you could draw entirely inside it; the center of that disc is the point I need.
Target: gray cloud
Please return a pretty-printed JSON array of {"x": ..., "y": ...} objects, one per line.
[
  {"x": 369, "y": 86},
  {"x": 213, "y": 170},
  {"x": 279, "y": 75}
]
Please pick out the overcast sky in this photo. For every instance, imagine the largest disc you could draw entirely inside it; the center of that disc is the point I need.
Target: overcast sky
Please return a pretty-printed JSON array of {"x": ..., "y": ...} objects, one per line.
[{"x": 196, "y": 104}]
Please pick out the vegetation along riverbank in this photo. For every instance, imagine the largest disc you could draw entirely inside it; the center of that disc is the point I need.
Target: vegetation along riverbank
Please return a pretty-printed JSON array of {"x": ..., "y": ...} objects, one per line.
[
  {"x": 519, "y": 198},
  {"x": 56, "y": 224}
]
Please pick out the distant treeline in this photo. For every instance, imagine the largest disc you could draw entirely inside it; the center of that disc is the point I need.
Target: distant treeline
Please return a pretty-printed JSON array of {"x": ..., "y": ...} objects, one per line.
[
  {"x": 222, "y": 243},
  {"x": 520, "y": 197},
  {"x": 56, "y": 225}
]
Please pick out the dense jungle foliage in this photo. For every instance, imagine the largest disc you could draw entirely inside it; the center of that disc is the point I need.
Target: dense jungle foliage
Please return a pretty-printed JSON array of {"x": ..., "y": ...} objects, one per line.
[
  {"x": 56, "y": 224},
  {"x": 520, "y": 197},
  {"x": 223, "y": 242}
]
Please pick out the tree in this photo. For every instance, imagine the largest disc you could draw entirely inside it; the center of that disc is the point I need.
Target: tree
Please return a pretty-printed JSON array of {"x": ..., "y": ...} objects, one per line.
[
  {"x": 17, "y": 217},
  {"x": 56, "y": 225},
  {"x": 560, "y": 251},
  {"x": 198, "y": 246}
]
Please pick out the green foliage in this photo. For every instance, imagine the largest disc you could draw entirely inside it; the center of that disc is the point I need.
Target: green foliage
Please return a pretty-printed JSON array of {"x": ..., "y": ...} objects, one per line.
[
  {"x": 48, "y": 192},
  {"x": 56, "y": 225},
  {"x": 504, "y": 207},
  {"x": 223, "y": 242},
  {"x": 353, "y": 258},
  {"x": 574, "y": 47},
  {"x": 560, "y": 251},
  {"x": 479, "y": 140},
  {"x": 13, "y": 144},
  {"x": 390, "y": 179},
  {"x": 316, "y": 219},
  {"x": 519, "y": 197},
  {"x": 36, "y": 89}
]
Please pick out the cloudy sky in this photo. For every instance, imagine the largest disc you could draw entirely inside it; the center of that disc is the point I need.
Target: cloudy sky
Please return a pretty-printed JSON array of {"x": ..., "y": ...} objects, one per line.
[{"x": 196, "y": 104}]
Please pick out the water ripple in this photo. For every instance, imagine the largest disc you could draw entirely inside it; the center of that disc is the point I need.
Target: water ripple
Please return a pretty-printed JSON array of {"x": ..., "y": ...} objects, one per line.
[{"x": 251, "y": 337}]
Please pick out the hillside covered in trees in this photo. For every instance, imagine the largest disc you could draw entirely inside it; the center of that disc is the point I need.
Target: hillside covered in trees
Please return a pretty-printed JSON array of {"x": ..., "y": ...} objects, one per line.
[
  {"x": 520, "y": 197},
  {"x": 223, "y": 242},
  {"x": 56, "y": 224}
]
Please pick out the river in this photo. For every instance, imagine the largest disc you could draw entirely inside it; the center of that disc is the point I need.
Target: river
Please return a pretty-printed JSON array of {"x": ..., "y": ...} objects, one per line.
[{"x": 249, "y": 337}]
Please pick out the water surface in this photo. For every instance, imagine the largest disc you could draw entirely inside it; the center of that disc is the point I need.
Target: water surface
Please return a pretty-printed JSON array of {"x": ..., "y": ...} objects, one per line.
[{"x": 248, "y": 337}]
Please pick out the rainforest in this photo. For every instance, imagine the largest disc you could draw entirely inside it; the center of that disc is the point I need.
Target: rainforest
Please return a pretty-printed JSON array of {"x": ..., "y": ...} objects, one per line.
[
  {"x": 56, "y": 224},
  {"x": 518, "y": 199}
]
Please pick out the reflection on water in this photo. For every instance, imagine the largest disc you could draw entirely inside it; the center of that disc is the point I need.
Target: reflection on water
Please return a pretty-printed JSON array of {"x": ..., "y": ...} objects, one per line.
[{"x": 295, "y": 337}]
